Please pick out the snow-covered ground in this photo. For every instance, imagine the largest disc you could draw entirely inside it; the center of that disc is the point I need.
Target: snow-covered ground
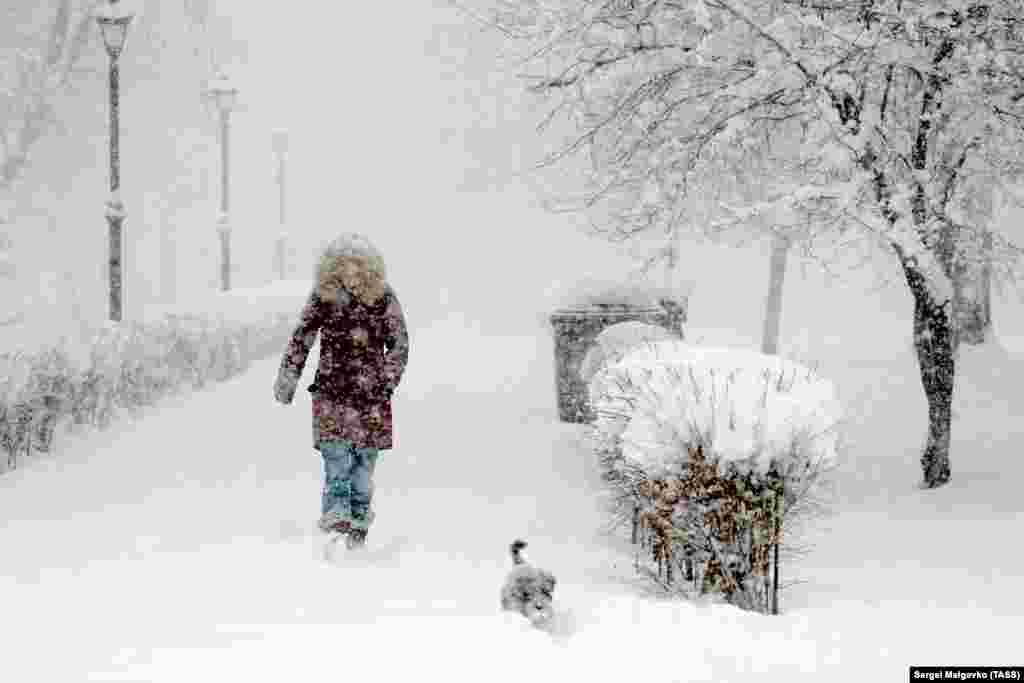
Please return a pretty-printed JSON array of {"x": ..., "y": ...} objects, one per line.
[{"x": 180, "y": 545}]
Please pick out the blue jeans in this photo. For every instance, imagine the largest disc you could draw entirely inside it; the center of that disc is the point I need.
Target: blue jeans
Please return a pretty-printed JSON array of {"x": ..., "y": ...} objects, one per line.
[{"x": 348, "y": 481}]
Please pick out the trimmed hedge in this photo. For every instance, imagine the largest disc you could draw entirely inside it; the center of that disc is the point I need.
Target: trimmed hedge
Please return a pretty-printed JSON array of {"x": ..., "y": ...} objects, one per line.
[
  {"x": 129, "y": 365},
  {"x": 707, "y": 507}
]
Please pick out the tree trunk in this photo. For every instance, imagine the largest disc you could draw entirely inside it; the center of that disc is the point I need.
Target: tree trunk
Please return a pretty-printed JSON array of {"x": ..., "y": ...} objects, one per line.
[
  {"x": 935, "y": 346},
  {"x": 773, "y": 302}
]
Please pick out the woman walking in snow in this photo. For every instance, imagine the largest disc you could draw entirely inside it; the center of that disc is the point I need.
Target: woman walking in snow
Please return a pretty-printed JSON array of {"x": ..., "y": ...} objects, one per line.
[{"x": 364, "y": 347}]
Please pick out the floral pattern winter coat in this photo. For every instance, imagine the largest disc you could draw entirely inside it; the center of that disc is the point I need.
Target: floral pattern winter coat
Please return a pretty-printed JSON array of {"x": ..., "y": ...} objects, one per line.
[{"x": 363, "y": 353}]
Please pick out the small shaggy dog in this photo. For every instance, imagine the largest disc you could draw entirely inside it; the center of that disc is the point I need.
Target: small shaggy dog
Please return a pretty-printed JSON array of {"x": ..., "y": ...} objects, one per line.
[{"x": 528, "y": 590}]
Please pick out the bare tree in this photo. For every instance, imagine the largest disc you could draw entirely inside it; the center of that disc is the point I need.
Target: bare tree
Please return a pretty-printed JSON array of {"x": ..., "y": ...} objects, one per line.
[
  {"x": 36, "y": 70},
  {"x": 43, "y": 46},
  {"x": 897, "y": 120}
]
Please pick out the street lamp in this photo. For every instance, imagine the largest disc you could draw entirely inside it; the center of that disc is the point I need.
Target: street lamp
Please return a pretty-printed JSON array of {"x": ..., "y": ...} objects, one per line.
[
  {"x": 280, "y": 138},
  {"x": 224, "y": 94},
  {"x": 114, "y": 20}
]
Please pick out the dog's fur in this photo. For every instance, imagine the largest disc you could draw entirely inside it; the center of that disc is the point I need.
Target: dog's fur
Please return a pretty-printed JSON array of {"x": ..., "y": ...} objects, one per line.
[{"x": 528, "y": 590}]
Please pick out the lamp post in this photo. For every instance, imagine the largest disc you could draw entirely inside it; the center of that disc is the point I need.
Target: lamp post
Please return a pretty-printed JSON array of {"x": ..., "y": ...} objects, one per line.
[
  {"x": 281, "y": 151},
  {"x": 113, "y": 21},
  {"x": 224, "y": 95}
]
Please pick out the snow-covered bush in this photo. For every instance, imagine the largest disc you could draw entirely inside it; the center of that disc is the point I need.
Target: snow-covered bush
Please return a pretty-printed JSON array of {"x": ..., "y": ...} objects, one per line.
[
  {"x": 615, "y": 342},
  {"x": 127, "y": 365},
  {"x": 49, "y": 373},
  {"x": 134, "y": 365},
  {"x": 698, "y": 444},
  {"x": 35, "y": 387},
  {"x": 747, "y": 406}
]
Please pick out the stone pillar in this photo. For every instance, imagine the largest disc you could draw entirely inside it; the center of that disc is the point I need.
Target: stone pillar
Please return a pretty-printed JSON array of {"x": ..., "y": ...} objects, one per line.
[{"x": 575, "y": 330}]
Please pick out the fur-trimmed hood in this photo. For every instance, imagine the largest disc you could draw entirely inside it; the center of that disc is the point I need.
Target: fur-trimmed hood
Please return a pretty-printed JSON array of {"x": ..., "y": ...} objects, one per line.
[{"x": 351, "y": 262}]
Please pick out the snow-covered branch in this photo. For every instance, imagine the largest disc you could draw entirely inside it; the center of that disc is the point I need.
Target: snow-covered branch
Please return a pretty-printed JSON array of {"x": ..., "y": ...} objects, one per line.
[{"x": 709, "y": 115}]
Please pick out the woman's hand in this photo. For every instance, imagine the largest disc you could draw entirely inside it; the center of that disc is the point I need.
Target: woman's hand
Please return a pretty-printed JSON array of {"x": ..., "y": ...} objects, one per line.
[{"x": 284, "y": 389}]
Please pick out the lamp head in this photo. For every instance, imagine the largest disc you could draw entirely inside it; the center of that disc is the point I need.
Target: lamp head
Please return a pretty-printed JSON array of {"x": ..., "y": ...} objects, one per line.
[
  {"x": 223, "y": 92},
  {"x": 113, "y": 19}
]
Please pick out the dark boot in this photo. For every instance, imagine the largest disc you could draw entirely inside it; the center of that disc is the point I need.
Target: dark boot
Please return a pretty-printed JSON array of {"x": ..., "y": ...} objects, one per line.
[
  {"x": 356, "y": 539},
  {"x": 334, "y": 523}
]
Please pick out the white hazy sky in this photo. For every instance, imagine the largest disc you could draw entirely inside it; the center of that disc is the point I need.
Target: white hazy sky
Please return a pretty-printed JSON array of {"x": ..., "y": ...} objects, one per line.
[{"x": 402, "y": 129}]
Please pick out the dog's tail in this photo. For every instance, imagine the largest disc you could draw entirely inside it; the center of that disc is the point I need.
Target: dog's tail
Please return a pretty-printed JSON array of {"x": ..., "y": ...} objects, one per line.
[{"x": 517, "y": 547}]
